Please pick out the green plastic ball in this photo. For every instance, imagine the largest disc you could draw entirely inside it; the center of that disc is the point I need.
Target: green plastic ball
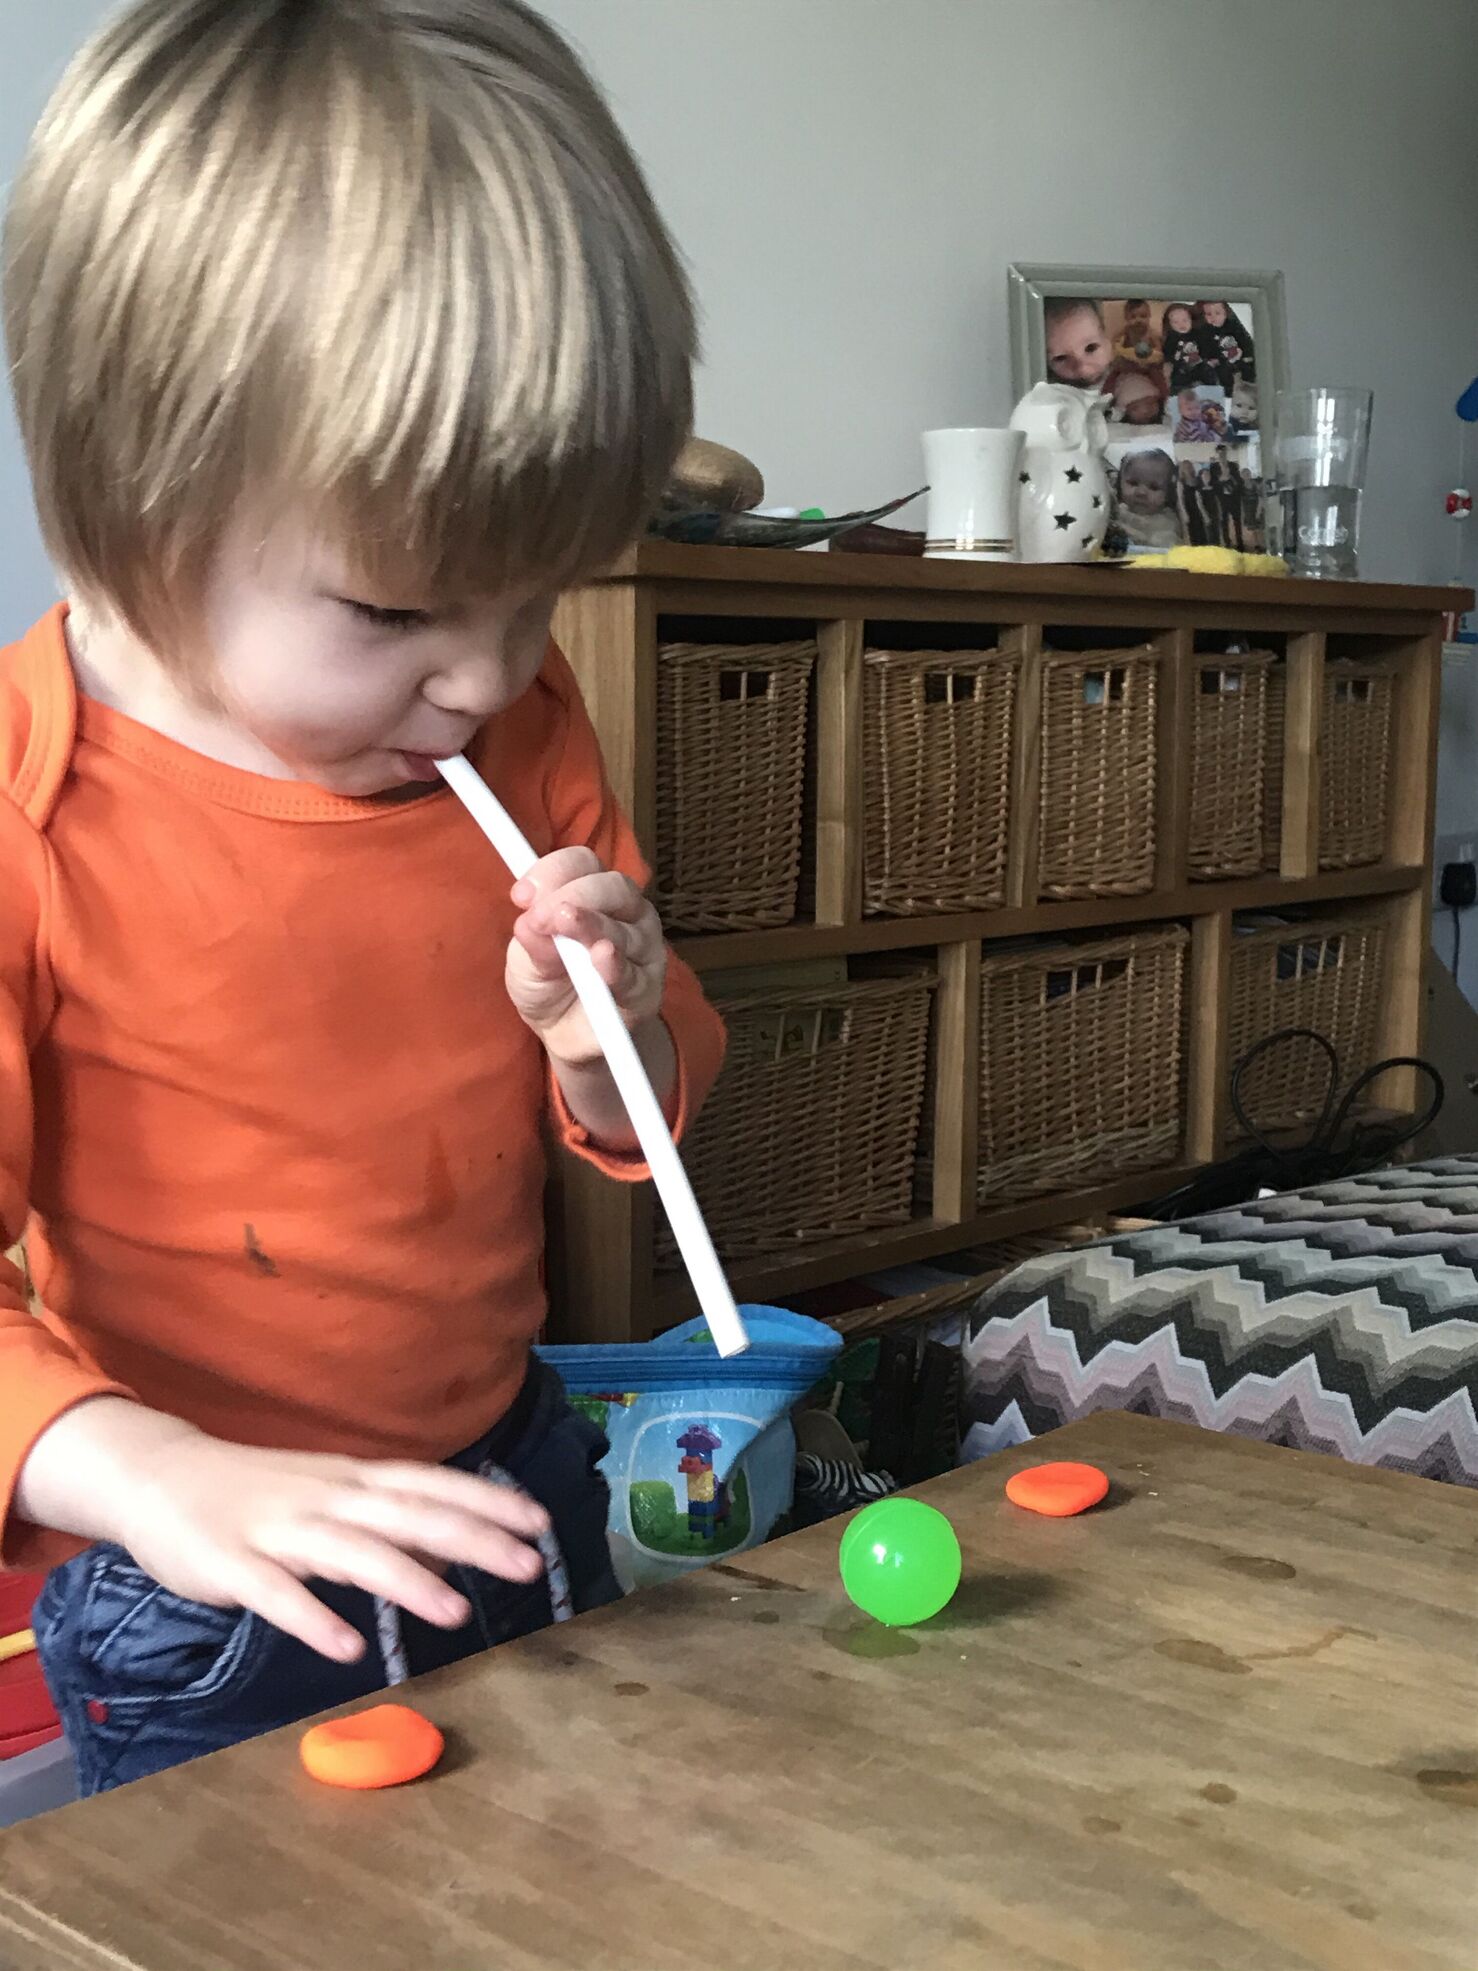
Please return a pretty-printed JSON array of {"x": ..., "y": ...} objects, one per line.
[{"x": 900, "y": 1561}]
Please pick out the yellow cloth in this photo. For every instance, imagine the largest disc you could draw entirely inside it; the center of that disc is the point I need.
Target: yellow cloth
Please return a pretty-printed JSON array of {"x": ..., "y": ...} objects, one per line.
[{"x": 1213, "y": 561}]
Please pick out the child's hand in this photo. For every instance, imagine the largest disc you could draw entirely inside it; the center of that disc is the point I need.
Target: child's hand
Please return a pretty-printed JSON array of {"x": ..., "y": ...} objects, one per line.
[
  {"x": 234, "y": 1527},
  {"x": 571, "y": 895}
]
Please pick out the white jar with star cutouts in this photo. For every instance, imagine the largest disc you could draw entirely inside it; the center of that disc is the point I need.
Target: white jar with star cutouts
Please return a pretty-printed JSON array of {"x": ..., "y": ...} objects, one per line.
[{"x": 1064, "y": 502}]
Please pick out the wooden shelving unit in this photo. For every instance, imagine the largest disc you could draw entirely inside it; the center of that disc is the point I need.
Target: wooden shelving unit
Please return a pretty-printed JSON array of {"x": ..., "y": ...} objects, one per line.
[{"x": 604, "y": 1285}]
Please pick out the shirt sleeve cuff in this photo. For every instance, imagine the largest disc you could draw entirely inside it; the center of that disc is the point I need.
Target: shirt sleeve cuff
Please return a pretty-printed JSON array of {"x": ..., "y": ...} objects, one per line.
[{"x": 625, "y": 1166}]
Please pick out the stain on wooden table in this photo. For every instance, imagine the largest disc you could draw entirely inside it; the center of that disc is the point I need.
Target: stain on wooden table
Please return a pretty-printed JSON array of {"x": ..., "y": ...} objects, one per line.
[{"x": 1228, "y": 1720}]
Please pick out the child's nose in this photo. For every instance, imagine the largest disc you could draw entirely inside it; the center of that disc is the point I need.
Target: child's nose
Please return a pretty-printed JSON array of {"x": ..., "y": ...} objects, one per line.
[{"x": 471, "y": 685}]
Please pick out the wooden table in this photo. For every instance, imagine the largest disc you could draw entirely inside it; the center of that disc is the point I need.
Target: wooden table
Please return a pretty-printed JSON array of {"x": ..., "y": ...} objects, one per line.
[{"x": 1229, "y": 1722}]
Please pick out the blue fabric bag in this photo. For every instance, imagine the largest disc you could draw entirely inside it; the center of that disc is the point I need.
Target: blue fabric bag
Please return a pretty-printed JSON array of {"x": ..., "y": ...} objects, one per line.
[{"x": 702, "y": 1457}]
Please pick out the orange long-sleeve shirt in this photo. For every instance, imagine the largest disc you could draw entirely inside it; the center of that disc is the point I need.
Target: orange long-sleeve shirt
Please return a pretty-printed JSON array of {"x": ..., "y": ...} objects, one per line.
[{"x": 275, "y": 1123}]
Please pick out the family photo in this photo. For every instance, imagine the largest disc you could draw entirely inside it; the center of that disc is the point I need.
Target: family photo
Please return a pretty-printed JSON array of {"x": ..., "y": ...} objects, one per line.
[{"x": 1180, "y": 384}]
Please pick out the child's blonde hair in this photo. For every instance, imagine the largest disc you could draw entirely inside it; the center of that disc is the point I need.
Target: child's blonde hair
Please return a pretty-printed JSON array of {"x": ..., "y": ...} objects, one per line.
[{"x": 387, "y": 261}]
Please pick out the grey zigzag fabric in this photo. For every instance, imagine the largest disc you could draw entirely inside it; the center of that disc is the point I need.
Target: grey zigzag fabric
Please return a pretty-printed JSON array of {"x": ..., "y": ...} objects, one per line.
[{"x": 1340, "y": 1319}]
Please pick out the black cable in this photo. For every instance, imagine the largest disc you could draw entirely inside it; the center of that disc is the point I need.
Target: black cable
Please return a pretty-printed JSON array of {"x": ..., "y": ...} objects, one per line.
[
  {"x": 1457, "y": 939},
  {"x": 1320, "y": 1158}
]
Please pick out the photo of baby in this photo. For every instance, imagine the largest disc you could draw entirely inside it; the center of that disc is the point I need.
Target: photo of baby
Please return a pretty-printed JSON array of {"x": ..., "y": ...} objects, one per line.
[
  {"x": 1200, "y": 415},
  {"x": 1078, "y": 347},
  {"x": 1148, "y": 510},
  {"x": 1136, "y": 396}
]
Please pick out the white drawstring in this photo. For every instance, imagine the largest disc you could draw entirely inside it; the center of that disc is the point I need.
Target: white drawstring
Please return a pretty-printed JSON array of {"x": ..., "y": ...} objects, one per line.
[{"x": 561, "y": 1602}]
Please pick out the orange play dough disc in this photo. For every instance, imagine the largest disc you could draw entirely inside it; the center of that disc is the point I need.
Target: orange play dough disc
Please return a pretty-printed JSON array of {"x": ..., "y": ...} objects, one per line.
[
  {"x": 1057, "y": 1490},
  {"x": 383, "y": 1747}
]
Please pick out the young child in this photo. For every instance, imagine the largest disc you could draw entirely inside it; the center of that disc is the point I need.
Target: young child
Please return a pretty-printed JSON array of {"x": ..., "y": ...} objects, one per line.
[
  {"x": 1138, "y": 346},
  {"x": 343, "y": 338},
  {"x": 1242, "y": 408},
  {"x": 1226, "y": 347},
  {"x": 1185, "y": 358},
  {"x": 1078, "y": 347},
  {"x": 1136, "y": 396},
  {"x": 1147, "y": 509},
  {"x": 1192, "y": 426}
]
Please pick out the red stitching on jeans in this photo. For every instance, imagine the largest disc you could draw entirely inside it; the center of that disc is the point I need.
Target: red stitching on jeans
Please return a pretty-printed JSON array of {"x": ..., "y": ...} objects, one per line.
[{"x": 97, "y": 1711}]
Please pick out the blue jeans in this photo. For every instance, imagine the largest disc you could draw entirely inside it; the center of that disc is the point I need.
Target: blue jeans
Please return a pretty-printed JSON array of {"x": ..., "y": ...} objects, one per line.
[{"x": 144, "y": 1680}]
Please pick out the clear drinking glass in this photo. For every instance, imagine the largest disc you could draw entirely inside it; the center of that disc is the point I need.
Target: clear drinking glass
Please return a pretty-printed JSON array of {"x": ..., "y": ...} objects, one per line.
[{"x": 1321, "y": 441}]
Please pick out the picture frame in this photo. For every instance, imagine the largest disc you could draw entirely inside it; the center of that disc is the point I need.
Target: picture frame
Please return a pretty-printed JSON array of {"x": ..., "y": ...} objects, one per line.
[{"x": 1189, "y": 362}]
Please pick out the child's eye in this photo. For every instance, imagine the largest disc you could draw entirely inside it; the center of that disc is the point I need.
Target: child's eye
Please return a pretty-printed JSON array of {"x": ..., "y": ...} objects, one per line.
[{"x": 400, "y": 620}]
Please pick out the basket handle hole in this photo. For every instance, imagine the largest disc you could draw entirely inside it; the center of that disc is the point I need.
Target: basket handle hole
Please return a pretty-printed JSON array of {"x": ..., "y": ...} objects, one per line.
[
  {"x": 951, "y": 688},
  {"x": 1352, "y": 691},
  {"x": 806, "y": 1034},
  {"x": 1217, "y": 684},
  {"x": 739, "y": 687},
  {"x": 1070, "y": 980},
  {"x": 1105, "y": 687},
  {"x": 1299, "y": 961}
]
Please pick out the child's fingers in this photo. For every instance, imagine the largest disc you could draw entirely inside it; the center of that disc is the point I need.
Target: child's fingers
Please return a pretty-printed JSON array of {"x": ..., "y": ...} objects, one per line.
[
  {"x": 441, "y": 1533},
  {"x": 607, "y": 899},
  {"x": 538, "y": 947},
  {"x": 334, "y": 1551},
  {"x": 552, "y": 872},
  {"x": 616, "y": 969},
  {"x": 498, "y": 1505},
  {"x": 280, "y": 1598}
]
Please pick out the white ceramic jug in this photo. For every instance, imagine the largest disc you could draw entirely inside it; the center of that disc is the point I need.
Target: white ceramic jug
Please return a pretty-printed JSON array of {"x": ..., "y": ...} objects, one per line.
[{"x": 1064, "y": 502}]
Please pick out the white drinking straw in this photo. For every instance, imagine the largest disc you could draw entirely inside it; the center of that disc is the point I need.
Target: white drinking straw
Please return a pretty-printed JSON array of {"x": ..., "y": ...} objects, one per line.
[{"x": 630, "y": 1077}]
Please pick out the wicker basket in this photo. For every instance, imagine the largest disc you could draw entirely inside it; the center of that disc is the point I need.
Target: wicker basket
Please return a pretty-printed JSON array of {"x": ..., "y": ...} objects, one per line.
[
  {"x": 1354, "y": 764},
  {"x": 812, "y": 1131},
  {"x": 731, "y": 752},
  {"x": 1080, "y": 1062},
  {"x": 1228, "y": 754},
  {"x": 937, "y": 727},
  {"x": 1354, "y": 769},
  {"x": 1325, "y": 973},
  {"x": 1098, "y": 773}
]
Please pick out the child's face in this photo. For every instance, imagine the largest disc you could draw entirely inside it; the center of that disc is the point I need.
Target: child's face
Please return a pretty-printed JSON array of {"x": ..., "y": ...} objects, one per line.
[
  {"x": 1180, "y": 320},
  {"x": 358, "y": 694},
  {"x": 1214, "y": 313},
  {"x": 1190, "y": 403},
  {"x": 1137, "y": 315},
  {"x": 1077, "y": 347},
  {"x": 1136, "y": 399},
  {"x": 1142, "y": 486}
]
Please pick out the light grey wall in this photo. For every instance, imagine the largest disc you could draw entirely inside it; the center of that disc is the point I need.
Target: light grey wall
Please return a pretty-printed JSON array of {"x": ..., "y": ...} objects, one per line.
[
  {"x": 35, "y": 42},
  {"x": 851, "y": 178}
]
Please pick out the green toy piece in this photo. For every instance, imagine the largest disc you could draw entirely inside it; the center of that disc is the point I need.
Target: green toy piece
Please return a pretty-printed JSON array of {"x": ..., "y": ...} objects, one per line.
[{"x": 900, "y": 1561}]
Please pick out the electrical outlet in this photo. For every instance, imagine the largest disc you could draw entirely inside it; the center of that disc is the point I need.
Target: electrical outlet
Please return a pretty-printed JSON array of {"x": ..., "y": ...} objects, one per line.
[{"x": 1458, "y": 849}]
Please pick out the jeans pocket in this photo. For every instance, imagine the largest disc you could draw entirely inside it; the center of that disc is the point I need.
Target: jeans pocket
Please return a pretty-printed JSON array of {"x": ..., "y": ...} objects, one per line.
[{"x": 138, "y": 1644}]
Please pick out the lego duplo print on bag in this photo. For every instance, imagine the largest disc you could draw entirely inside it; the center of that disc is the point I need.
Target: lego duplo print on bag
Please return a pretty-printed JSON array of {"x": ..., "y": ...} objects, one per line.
[{"x": 702, "y": 1457}]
